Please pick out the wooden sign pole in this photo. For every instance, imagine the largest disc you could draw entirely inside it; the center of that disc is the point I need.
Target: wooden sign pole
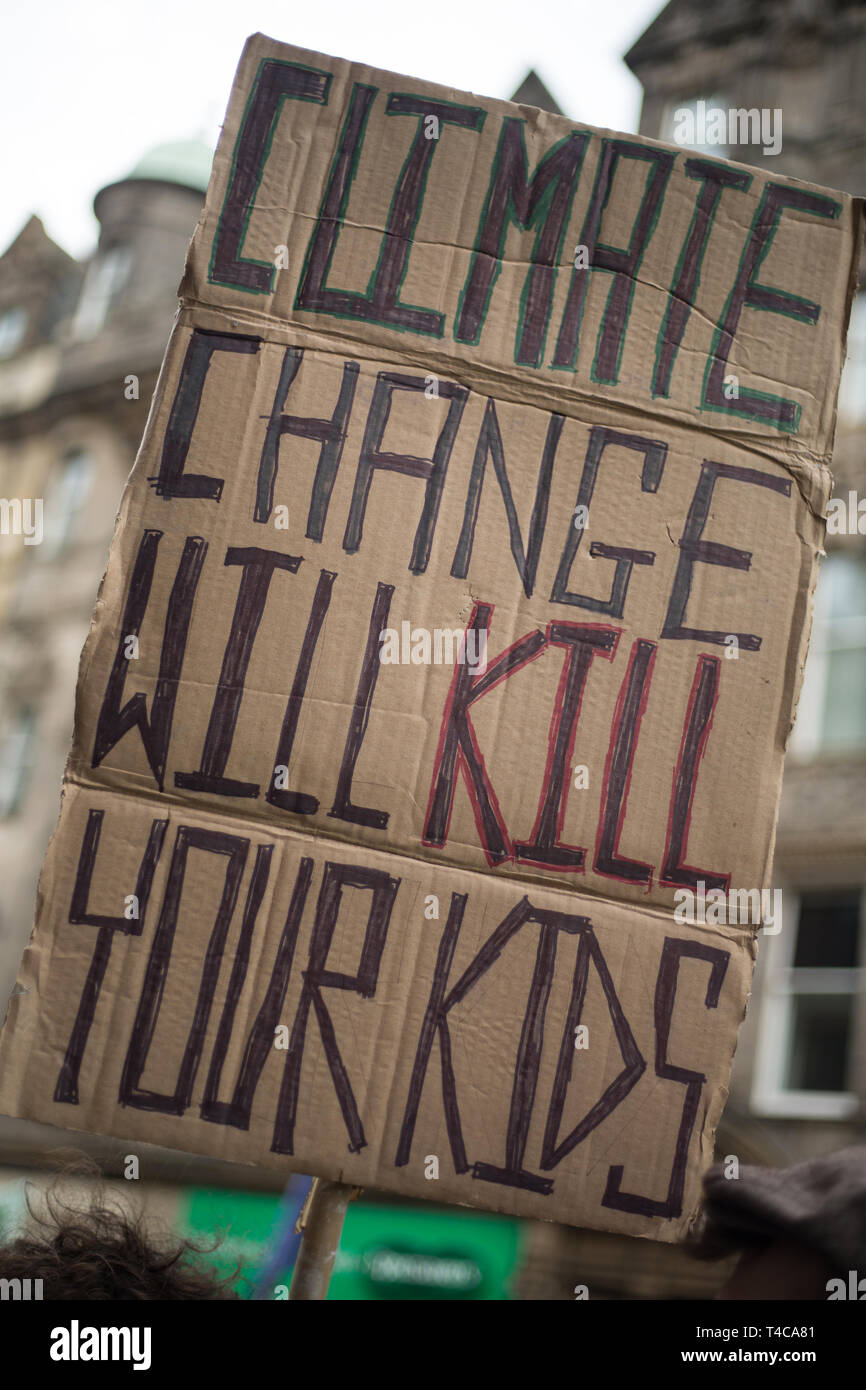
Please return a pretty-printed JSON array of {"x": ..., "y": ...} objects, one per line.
[{"x": 320, "y": 1225}]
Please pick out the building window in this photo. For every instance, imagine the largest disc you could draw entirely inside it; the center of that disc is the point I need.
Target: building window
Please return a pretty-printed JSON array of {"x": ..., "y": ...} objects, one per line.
[
  {"x": 106, "y": 276},
  {"x": 693, "y": 124},
  {"x": 808, "y": 1008},
  {"x": 66, "y": 495},
  {"x": 16, "y": 750},
  {"x": 12, "y": 325},
  {"x": 852, "y": 387},
  {"x": 832, "y": 711}
]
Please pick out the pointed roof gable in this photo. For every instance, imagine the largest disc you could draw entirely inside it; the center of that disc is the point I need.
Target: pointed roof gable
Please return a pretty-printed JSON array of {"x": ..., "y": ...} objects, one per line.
[{"x": 532, "y": 92}]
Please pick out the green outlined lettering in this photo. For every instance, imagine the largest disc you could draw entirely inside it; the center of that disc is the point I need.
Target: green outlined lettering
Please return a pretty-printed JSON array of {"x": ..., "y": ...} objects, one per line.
[
  {"x": 623, "y": 263},
  {"x": 380, "y": 303},
  {"x": 687, "y": 276},
  {"x": 274, "y": 82},
  {"x": 747, "y": 293},
  {"x": 544, "y": 202}
]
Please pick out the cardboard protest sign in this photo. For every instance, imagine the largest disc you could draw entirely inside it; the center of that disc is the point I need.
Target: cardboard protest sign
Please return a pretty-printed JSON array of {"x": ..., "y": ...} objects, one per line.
[{"x": 429, "y": 733}]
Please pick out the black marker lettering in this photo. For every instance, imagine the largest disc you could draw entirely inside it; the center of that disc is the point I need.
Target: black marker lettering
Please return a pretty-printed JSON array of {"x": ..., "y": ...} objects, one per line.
[
  {"x": 114, "y": 721},
  {"x": 329, "y": 432},
  {"x": 654, "y": 455},
  {"x": 300, "y": 802},
  {"x": 490, "y": 442},
  {"x": 275, "y": 81},
  {"x": 715, "y": 177},
  {"x": 260, "y": 1043},
  {"x": 694, "y": 550},
  {"x": 512, "y": 196},
  {"x": 171, "y": 481},
  {"x": 234, "y": 848},
  {"x": 624, "y": 262},
  {"x": 747, "y": 293},
  {"x": 582, "y": 642},
  {"x": 66, "y": 1090},
  {"x": 458, "y": 749},
  {"x": 258, "y": 568},
  {"x": 433, "y": 470},
  {"x": 694, "y": 1081},
  {"x": 343, "y": 808},
  {"x": 317, "y": 977},
  {"x": 381, "y": 303}
]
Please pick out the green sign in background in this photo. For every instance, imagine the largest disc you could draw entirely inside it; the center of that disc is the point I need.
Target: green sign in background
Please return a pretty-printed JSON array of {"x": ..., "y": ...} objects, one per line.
[{"x": 387, "y": 1251}]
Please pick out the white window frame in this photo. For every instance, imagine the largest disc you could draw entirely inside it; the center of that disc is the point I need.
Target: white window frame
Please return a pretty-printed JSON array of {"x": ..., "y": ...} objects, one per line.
[
  {"x": 105, "y": 276},
  {"x": 19, "y": 730},
  {"x": 13, "y": 325},
  {"x": 852, "y": 387},
  {"x": 783, "y": 982},
  {"x": 65, "y": 500},
  {"x": 828, "y": 635}
]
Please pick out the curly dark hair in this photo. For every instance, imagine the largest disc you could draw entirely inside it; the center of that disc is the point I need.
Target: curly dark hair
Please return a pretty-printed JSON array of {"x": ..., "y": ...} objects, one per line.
[{"x": 105, "y": 1253}]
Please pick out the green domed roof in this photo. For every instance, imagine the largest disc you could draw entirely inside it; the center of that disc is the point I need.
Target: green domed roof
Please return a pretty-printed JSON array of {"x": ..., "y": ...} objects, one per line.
[{"x": 187, "y": 162}]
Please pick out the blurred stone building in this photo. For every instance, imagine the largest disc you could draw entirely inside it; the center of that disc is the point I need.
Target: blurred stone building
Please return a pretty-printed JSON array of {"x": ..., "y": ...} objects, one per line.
[{"x": 80, "y": 348}]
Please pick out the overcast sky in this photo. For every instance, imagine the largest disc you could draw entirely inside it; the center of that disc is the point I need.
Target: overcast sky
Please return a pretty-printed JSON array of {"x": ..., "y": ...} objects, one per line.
[{"x": 87, "y": 86}]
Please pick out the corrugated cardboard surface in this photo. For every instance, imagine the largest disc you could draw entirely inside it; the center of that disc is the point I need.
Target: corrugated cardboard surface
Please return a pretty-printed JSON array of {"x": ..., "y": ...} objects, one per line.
[{"x": 391, "y": 913}]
